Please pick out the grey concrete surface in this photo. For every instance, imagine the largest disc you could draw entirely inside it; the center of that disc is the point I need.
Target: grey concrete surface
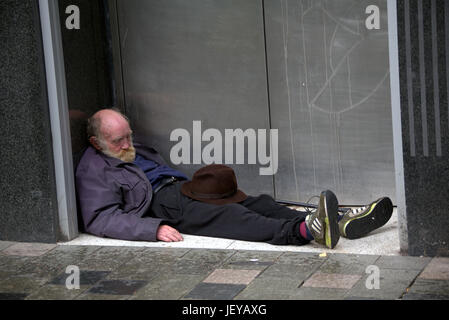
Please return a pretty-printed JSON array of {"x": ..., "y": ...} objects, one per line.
[{"x": 43, "y": 272}]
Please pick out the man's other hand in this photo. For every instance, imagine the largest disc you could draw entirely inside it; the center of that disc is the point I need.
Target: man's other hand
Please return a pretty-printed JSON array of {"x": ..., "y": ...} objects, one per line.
[{"x": 168, "y": 234}]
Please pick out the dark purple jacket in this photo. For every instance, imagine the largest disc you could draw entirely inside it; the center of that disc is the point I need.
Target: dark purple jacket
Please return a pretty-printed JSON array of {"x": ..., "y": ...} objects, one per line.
[{"x": 114, "y": 195}]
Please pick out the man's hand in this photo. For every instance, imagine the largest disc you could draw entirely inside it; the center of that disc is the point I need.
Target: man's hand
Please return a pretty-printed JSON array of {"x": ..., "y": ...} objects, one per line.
[{"x": 168, "y": 234}]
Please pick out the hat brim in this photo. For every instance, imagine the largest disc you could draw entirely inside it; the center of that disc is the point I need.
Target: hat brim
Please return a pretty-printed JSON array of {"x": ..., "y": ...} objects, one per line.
[{"x": 238, "y": 196}]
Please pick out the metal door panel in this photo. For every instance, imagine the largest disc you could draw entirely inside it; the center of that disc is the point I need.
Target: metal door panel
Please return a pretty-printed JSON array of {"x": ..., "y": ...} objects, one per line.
[
  {"x": 195, "y": 60},
  {"x": 330, "y": 99}
]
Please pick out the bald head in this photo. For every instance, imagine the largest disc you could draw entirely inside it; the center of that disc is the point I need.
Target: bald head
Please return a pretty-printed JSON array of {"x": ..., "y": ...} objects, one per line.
[
  {"x": 109, "y": 132},
  {"x": 104, "y": 116}
]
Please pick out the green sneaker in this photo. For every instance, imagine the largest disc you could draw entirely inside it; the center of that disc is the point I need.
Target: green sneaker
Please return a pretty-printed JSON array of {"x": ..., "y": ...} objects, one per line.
[
  {"x": 357, "y": 223},
  {"x": 322, "y": 223}
]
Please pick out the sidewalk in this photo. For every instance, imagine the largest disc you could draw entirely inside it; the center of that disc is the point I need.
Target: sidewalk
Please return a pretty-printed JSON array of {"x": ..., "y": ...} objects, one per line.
[{"x": 38, "y": 271}]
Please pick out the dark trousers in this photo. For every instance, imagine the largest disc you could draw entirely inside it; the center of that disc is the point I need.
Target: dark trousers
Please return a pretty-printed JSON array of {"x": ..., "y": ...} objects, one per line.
[{"x": 258, "y": 218}]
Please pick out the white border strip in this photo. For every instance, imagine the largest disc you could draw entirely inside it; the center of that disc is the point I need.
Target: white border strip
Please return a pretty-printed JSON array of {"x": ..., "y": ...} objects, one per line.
[{"x": 59, "y": 119}]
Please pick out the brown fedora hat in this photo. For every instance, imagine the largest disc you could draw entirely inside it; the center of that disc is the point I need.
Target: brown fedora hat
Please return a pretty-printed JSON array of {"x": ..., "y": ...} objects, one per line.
[{"x": 215, "y": 183}]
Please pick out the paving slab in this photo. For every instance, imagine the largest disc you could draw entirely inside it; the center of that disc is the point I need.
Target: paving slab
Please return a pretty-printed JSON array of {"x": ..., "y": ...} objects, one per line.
[
  {"x": 28, "y": 249},
  {"x": 86, "y": 277},
  {"x": 393, "y": 283},
  {"x": 147, "y": 264},
  {"x": 318, "y": 293},
  {"x": 138, "y": 269},
  {"x": 263, "y": 295},
  {"x": 154, "y": 258},
  {"x": 429, "y": 296},
  {"x": 55, "y": 292},
  {"x": 430, "y": 286},
  {"x": 108, "y": 258},
  {"x": 12, "y": 296},
  {"x": 14, "y": 264},
  {"x": 56, "y": 261},
  {"x": 254, "y": 256},
  {"x": 297, "y": 267},
  {"x": 332, "y": 280},
  {"x": 212, "y": 256},
  {"x": 296, "y": 273},
  {"x": 232, "y": 276},
  {"x": 437, "y": 269},
  {"x": 253, "y": 264},
  {"x": 199, "y": 262},
  {"x": 162, "y": 253},
  {"x": 214, "y": 291},
  {"x": 187, "y": 266},
  {"x": 5, "y": 244},
  {"x": 251, "y": 260},
  {"x": 402, "y": 262},
  {"x": 168, "y": 287},
  {"x": 347, "y": 264},
  {"x": 71, "y": 254},
  {"x": 95, "y": 296},
  {"x": 117, "y": 287},
  {"x": 279, "y": 289},
  {"x": 21, "y": 284},
  {"x": 301, "y": 258}
]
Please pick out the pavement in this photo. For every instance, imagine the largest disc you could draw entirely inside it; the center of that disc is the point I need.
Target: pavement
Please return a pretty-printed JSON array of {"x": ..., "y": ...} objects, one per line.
[
  {"x": 35, "y": 271},
  {"x": 205, "y": 268}
]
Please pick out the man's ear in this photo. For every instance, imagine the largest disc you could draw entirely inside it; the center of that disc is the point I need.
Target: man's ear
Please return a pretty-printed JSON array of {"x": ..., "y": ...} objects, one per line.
[{"x": 94, "y": 143}]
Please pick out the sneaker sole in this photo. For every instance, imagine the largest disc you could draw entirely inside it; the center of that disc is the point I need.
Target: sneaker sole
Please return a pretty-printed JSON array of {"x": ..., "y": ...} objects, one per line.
[
  {"x": 332, "y": 230},
  {"x": 378, "y": 216}
]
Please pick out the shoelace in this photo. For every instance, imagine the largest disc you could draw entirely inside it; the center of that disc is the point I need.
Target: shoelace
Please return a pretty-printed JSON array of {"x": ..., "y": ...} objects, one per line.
[
  {"x": 350, "y": 211},
  {"x": 354, "y": 212},
  {"x": 311, "y": 210}
]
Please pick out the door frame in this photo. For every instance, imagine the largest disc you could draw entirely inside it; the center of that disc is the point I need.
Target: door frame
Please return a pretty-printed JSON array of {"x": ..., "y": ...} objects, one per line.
[
  {"x": 395, "y": 103},
  {"x": 59, "y": 119}
]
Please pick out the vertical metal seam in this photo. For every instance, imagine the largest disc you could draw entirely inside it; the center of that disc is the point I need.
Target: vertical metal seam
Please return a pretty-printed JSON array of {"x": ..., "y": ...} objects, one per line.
[
  {"x": 268, "y": 84},
  {"x": 121, "y": 57},
  {"x": 285, "y": 33},
  {"x": 309, "y": 105}
]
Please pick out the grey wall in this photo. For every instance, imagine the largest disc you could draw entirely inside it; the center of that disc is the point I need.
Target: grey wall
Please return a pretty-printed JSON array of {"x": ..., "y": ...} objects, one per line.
[
  {"x": 87, "y": 63},
  {"x": 28, "y": 209},
  {"x": 423, "y": 29}
]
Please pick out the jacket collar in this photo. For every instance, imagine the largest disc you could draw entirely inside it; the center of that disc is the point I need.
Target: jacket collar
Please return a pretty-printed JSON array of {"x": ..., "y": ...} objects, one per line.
[
  {"x": 111, "y": 161},
  {"x": 114, "y": 162}
]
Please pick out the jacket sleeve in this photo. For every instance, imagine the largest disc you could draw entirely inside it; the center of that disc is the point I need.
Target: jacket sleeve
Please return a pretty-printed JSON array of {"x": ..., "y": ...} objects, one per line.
[{"x": 101, "y": 204}]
